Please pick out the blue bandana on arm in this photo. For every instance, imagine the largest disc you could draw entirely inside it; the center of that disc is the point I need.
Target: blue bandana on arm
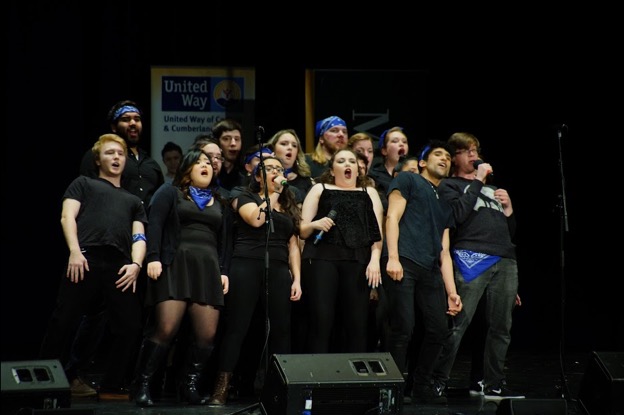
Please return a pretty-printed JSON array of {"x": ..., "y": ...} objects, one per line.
[{"x": 201, "y": 197}]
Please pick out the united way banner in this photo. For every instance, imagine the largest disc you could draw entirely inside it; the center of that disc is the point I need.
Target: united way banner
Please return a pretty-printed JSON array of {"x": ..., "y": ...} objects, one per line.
[{"x": 187, "y": 102}]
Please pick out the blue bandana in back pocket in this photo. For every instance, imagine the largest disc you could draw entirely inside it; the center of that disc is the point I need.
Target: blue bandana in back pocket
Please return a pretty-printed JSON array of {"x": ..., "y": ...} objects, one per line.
[{"x": 472, "y": 264}]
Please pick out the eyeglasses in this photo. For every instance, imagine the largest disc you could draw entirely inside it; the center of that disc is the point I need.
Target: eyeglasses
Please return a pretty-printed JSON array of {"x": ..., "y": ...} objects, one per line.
[
  {"x": 469, "y": 152},
  {"x": 271, "y": 169},
  {"x": 214, "y": 157}
]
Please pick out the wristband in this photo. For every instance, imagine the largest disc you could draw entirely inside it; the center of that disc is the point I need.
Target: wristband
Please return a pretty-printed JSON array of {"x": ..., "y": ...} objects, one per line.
[{"x": 136, "y": 263}]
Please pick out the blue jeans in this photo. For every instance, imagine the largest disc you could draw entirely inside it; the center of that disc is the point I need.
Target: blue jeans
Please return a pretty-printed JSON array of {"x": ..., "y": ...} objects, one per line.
[
  {"x": 500, "y": 285},
  {"x": 424, "y": 289}
]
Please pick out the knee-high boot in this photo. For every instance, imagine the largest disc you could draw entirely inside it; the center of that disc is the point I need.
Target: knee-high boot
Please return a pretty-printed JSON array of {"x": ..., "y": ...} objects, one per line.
[
  {"x": 196, "y": 361},
  {"x": 151, "y": 356},
  {"x": 221, "y": 389}
]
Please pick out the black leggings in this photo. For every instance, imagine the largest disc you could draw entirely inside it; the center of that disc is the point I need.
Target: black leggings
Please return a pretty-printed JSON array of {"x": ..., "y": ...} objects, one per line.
[
  {"x": 335, "y": 289},
  {"x": 247, "y": 288}
]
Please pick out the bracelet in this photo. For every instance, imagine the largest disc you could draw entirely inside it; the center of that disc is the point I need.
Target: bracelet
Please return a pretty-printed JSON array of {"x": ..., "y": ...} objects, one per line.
[{"x": 137, "y": 264}]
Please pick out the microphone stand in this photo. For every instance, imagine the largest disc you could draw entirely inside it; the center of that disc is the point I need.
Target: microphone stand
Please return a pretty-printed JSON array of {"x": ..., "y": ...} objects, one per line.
[
  {"x": 563, "y": 229},
  {"x": 269, "y": 230}
]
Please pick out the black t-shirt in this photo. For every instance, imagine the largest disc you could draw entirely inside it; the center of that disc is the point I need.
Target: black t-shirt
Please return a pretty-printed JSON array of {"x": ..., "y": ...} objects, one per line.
[
  {"x": 250, "y": 242},
  {"x": 106, "y": 214},
  {"x": 424, "y": 220}
]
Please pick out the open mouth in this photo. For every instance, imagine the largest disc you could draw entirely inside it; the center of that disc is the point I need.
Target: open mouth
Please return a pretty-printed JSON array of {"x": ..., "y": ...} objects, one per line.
[{"x": 348, "y": 173}]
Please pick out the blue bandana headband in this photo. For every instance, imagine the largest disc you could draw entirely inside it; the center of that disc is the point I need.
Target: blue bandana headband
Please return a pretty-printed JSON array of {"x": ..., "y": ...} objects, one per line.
[
  {"x": 265, "y": 150},
  {"x": 422, "y": 153},
  {"x": 329, "y": 122},
  {"x": 126, "y": 108},
  {"x": 382, "y": 137}
]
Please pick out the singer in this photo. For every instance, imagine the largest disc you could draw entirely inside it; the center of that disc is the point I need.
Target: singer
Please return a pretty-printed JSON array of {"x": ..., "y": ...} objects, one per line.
[
  {"x": 418, "y": 272},
  {"x": 288, "y": 149},
  {"x": 339, "y": 271},
  {"x": 247, "y": 270},
  {"x": 484, "y": 259}
]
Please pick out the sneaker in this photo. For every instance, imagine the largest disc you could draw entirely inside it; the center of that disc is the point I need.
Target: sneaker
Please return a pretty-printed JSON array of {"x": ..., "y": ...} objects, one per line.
[
  {"x": 429, "y": 394},
  {"x": 79, "y": 389},
  {"x": 439, "y": 390},
  {"x": 501, "y": 392},
  {"x": 476, "y": 388}
]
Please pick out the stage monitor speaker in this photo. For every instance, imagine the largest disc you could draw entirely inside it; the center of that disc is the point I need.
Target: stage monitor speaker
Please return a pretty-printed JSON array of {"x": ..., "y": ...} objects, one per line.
[
  {"x": 332, "y": 384},
  {"x": 532, "y": 407},
  {"x": 602, "y": 385},
  {"x": 35, "y": 384}
]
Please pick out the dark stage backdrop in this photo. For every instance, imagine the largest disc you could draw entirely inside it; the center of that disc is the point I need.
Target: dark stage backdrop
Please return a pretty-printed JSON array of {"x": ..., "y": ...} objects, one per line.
[
  {"x": 67, "y": 66},
  {"x": 372, "y": 101}
]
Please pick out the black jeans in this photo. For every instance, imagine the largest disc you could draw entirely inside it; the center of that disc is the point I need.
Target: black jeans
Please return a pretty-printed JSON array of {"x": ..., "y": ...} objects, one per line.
[
  {"x": 76, "y": 299},
  {"x": 424, "y": 289}
]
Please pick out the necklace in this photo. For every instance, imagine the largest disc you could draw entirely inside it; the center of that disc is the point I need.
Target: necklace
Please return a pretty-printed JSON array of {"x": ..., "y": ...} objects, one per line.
[{"x": 435, "y": 190}]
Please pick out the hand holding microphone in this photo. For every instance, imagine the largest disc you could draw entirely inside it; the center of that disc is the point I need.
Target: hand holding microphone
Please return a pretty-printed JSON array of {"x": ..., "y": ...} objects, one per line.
[
  {"x": 331, "y": 215},
  {"x": 483, "y": 171},
  {"x": 280, "y": 181}
]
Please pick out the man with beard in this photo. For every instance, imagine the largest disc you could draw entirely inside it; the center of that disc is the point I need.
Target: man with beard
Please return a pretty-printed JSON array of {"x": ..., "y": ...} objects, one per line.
[
  {"x": 332, "y": 135},
  {"x": 142, "y": 175}
]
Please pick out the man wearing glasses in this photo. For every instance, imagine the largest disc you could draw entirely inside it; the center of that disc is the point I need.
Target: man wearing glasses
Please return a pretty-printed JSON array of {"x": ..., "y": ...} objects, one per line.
[{"x": 484, "y": 258}]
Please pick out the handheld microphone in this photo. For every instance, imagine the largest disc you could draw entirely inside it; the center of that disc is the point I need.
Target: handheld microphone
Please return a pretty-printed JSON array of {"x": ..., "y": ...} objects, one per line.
[
  {"x": 332, "y": 215},
  {"x": 283, "y": 183},
  {"x": 479, "y": 162}
]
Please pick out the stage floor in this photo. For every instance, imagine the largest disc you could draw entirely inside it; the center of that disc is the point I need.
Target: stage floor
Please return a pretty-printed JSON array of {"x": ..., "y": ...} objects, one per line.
[{"x": 538, "y": 376}]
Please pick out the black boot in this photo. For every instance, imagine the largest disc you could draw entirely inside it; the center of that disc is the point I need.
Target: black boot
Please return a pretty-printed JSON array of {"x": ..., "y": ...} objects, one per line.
[
  {"x": 150, "y": 358},
  {"x": 196, "y": 361}
]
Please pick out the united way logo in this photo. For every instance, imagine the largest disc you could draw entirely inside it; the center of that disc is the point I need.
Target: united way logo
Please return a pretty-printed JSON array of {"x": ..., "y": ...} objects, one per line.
[{"x": 227, "y": 93}]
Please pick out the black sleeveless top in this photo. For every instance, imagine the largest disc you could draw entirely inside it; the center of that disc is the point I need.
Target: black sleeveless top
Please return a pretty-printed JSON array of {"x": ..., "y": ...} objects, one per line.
[{"x": 355, "y": 231}]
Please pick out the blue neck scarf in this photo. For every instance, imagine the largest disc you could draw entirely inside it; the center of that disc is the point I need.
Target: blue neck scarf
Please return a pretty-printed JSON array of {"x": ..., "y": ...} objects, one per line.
[{"x": 201, "y": 197}]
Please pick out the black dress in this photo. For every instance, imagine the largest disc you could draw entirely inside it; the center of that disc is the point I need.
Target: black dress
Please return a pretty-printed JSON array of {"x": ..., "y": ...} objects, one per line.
[{"x": 194, "y": 273}]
